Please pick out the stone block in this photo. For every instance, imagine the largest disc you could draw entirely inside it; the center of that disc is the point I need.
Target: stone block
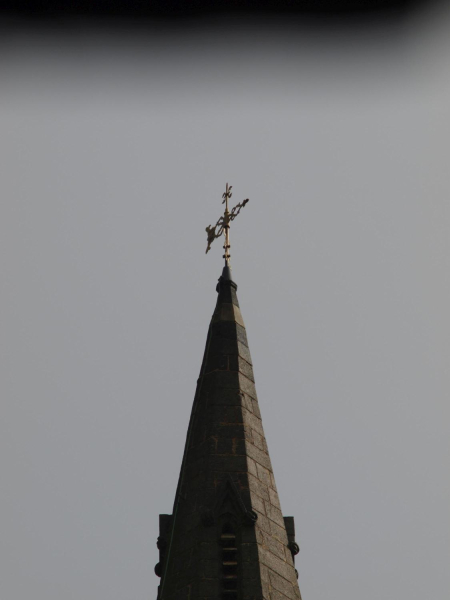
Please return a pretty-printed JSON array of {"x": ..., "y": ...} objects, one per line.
[
  {"x": 276, "y": 595},
  {"x": 229, "y": 397},
  {"x": 223, "y": 345},
  {"x": 263, "y": 523},
  {"x": 227, "y": 294},
  {"x": 257, "y": 487},
  {"x": 228, "y": 330},
  {"x": 209, "y": 568},
  {"x": 241, "y": 335},
  {"x": 230, "y": 463},
  {"x": 209, "y": 587},
  {"x": 274, "y": 499},
  {"x": 287, "y": 588},
  {"x": 263, "y": 473},
  {"x": 249, "y": 553},
  {"x": 217, "y": 362},
  {"x": 278, "y": 532},
  {"x": 277, "y": 565},
  {"x": 232, "y": 430},
  {"x": 236, "y": 363},
  {"x": 226, "y": 446},
  {"x": 259, "y": 456},
  {"x": 253, "y": 421},
  {"x": 251, "y": 466},
  {"x": 258, "y": 441},
  {"x": 255, "y": 407},
  {"x": 244, "y": 352},
  {"x": 258, "y": 504},
  {"x": 270, "y": 543},
  {"x": 217, "y": 380},
  {"x": 274, "y": 514},
  {"x": 226, "y": 414},
  {"x": 229, "y": 312}
]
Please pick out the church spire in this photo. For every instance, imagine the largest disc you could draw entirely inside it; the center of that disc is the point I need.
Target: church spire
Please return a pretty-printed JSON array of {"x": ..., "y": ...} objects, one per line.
[{"x": 226, "y": 537}]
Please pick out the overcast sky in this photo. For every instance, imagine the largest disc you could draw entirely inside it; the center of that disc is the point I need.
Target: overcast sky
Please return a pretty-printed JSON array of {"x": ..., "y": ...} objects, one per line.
[{"x": 116, "y": 144}]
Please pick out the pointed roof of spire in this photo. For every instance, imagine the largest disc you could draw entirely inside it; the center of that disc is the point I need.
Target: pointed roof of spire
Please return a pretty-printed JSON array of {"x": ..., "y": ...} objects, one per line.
[{"x": 227, "y": 537}]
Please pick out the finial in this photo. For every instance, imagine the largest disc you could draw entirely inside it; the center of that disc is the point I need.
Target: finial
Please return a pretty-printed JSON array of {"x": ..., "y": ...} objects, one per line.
[{"x": 223, "y": 224}]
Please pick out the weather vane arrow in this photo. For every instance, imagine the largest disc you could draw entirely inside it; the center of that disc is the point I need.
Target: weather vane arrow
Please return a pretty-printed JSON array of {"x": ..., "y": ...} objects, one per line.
[{"x": 223, "y": 224}]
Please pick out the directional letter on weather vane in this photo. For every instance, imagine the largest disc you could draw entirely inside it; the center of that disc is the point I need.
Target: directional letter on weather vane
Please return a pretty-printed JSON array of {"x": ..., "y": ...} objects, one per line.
[{"x": 223, "y": 224}]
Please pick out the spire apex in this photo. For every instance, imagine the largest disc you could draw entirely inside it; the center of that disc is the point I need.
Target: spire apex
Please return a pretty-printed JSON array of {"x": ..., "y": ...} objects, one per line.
[{"x": 226, "y": 277}]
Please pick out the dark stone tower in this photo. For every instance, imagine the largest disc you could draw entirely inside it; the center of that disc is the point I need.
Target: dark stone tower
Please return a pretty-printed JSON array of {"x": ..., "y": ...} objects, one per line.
[{"x": 227, "y": 537}]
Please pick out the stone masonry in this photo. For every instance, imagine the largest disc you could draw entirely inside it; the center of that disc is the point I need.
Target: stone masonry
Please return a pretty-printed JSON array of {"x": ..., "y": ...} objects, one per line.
[{"x": 226, "y": 537}]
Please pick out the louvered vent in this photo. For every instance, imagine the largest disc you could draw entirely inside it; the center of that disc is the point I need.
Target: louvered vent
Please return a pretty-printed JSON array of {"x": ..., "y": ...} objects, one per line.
[{"x": 229, "y": 562}]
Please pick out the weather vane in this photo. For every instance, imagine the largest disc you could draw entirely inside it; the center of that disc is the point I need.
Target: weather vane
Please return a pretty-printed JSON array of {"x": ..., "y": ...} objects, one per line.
[{"x": 223, "y": 224}]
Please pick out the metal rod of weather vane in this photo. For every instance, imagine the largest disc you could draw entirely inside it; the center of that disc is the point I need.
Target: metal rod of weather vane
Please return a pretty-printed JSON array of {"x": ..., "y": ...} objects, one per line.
[{"x": 226, "y": 246}]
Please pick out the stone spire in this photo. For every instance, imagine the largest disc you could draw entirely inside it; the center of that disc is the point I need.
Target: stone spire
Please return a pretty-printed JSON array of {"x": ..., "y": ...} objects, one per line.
[{"x": 226, "y": 537}]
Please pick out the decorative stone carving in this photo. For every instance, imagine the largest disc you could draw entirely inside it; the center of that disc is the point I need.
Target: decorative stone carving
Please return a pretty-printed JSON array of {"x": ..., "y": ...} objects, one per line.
[
  {"x": 294, "y": 548},
  {"x": 251, "y": 517}
]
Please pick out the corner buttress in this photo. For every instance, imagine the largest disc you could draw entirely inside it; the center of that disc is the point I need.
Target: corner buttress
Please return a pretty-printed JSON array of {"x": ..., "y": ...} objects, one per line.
[{"x": 165, "y": 525}]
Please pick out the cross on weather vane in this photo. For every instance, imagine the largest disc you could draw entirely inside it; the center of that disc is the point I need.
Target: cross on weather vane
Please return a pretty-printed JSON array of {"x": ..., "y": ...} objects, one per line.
[{"x": 223, "y": 224}]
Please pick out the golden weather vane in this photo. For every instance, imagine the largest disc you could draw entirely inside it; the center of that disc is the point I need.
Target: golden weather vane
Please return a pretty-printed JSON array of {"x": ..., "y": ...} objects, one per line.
[{"x": 223, "y": 224}]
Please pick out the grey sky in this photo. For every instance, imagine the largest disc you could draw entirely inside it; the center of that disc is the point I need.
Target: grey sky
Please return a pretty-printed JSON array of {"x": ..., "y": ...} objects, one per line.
[{"x": 115, "y": 150}]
